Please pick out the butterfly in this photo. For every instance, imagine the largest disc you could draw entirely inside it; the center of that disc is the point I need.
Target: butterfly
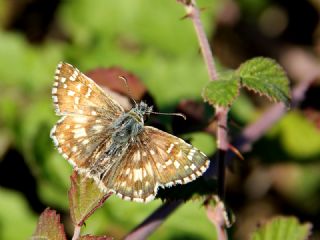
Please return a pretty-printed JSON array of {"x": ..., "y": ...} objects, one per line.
[{"x": 113, "y": 146}]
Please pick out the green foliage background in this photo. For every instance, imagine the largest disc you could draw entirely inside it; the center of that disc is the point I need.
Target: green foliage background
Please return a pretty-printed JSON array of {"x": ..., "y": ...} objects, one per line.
[{"x": 147, "y": 38}]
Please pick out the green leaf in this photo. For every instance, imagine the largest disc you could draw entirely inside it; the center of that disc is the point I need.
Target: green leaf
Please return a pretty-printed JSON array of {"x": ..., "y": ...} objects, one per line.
[
  {"x": 299, "y": 137},
  {"x": 84, "y": 197},
  {"x": 223, "y": 91},
  {"x": 266, "y": 77},
  {"x": 283, "y": 228},
  {"x": 15, "y": 212},
  {"x": 203, "y": 141},
  {"x": 49, "y": 227}
]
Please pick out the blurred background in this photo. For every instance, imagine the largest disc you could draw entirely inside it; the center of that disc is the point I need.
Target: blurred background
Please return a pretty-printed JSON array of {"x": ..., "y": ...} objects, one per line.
[{"x": 280, "y": 174}]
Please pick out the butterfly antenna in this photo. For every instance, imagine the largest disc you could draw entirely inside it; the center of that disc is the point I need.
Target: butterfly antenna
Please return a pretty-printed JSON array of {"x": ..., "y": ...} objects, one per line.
[
  {"x": 127, "y": 87},
  {"x": 171, "y": 114}
]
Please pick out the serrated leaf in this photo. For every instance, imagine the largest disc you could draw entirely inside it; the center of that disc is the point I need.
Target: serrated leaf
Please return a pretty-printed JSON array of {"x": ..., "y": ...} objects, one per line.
[
  {"x": 266, "y": 77},
  {"x": 49, "y": 227},
  {"x": 84, "y": 198},
  {"x": 222, "y": 92},
  {"x": 90, "y": 237},
  {"x": 283, "y": 228}
]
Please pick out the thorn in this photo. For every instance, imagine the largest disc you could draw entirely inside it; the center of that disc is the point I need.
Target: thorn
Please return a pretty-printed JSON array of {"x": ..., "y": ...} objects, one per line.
[
  {"x": 235, "y": 151},
  {"x": 188, "y": 15}
]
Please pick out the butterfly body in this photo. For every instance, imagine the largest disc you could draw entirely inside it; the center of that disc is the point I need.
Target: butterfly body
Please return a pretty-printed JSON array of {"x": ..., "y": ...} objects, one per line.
[{"x": 114, "y": 147}]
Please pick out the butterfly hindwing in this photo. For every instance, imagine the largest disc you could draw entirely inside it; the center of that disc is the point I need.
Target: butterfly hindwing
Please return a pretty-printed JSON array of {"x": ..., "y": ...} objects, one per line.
[
  {"x": 80, "y": 139},
  {"x": 155, "y": 159},
  {"x": 177, "y": 162}
]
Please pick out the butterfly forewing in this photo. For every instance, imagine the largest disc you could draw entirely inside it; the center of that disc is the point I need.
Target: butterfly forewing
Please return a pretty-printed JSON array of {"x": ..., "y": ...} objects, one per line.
[
  {"x": 87, "y": 112},
  {"x": 74, "y": 92}
]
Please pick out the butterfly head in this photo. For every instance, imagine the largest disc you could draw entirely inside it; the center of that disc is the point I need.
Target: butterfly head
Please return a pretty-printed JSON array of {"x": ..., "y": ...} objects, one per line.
[{"x": 142, "y": 110}]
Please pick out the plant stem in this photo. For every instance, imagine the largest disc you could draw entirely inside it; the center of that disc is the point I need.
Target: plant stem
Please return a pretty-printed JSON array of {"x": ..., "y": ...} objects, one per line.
[
  {"x": 221, "y": 113},
  {"x": 76, "y": 232},
  {"x": 248, "y": 136},
  {"x": 153, "y": 221},
  {"x": 222, "y": 144},
  {"x": 194, "y": 15}
]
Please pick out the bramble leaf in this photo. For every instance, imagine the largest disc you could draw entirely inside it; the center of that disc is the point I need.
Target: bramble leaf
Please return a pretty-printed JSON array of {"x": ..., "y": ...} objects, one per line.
[
  {"x": 84, "y": 198},
  {"x": 266, "y": 77},
  {"x": 283, "y": 228},
  {"x": 49, "y": 227},
  {"x": 223, "y": 91}
]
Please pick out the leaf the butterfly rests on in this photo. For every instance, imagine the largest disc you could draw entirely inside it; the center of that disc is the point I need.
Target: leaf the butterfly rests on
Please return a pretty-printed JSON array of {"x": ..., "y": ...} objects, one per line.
[{"x": 114, "y": 147}]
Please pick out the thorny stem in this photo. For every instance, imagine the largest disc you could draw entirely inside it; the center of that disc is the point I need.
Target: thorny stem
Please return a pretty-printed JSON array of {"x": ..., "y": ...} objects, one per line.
[
  {"x": 241, "y": 142},
  {"x": 295, "y": 60},
  {"x": 153, "y": 221},
  {"x": 194, "y": 15},
  {"x": 221, "y": 112}
]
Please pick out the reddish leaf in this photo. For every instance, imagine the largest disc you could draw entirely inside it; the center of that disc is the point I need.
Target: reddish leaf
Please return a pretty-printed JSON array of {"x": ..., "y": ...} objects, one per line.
[
  {"x": 84, "y": 198},
  {"x": 109, "y": 77},
  {"x": 49, "y": 227},
  {"x": 90, "y": 237}
]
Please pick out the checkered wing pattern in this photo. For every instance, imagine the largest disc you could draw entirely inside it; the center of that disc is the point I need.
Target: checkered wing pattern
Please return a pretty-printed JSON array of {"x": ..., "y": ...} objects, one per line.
[
  {"x": 86, "y": 112},
  {"x": 156, "y": 159},
  {"x": 134, "y": 169}
]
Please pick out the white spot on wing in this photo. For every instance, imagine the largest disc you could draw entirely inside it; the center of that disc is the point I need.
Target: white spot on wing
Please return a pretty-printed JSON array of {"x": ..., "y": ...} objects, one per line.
[
  {"x": 97, "y": 128},
  {"x": 137, "y": 199},
  {"x": 203, "y": 168},
  {"x": 149, "y": 198},
  {"x": 80, "y": 132},
  {"x": 193, "y": 167},
  {"x": 186, "y": 179},
  {"x": 54, "y": 90},
  {"x": 76, "y": 100},
  {"x": 176, "y": 164},
  {"x": 149, "y": 168},
  {"x": 74, "y": 149},
  {"x": 126, "y": 198},
  {"x": 170, "y": 148},
  {"x": 88, "y": 93},
  {"x": 71, "y": 93},
  {"x": 80, "y": 119},
  {"x": 137, "y": 174},
  {"x": 152, "y": 152},
  {"x": 169, "y": 162}
]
